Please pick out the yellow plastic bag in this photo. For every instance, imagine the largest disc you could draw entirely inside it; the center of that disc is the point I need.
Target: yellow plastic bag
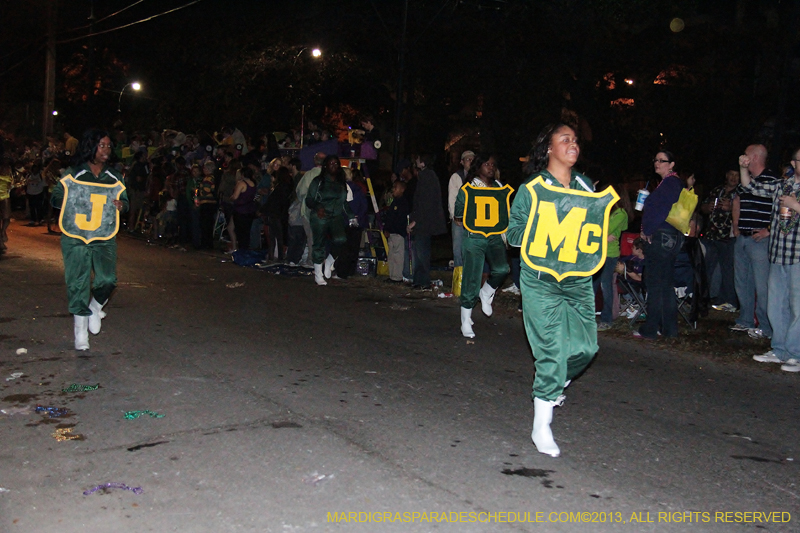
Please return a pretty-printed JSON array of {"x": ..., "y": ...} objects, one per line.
[
  {"x": 457, "y": 281},
  {"x": 383, "y": 268},
  {"x": 682, "y": 211}
]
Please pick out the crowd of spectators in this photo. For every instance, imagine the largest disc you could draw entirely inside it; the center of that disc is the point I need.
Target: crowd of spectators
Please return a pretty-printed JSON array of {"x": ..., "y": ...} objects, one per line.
[{"x": 201, "y": 190}]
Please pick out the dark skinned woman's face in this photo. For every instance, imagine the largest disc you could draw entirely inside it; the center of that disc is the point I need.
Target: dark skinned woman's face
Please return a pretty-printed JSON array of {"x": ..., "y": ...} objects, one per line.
[{"x": 333, "y": 166}]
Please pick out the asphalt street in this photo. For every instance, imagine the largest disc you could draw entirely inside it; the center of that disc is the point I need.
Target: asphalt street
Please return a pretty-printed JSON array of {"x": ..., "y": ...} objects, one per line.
[{"x": 289, "y": 406}]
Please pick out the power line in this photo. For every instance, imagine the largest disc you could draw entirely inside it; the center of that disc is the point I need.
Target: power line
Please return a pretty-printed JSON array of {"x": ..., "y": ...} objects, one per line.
[
  {"x": 105, "y": 18},
  {"x": 128, "y": 25},
  {"x": 12, "y": 67}
]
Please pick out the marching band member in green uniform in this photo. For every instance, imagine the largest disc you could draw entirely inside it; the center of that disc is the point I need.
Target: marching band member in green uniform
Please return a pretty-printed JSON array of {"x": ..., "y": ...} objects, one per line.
[
  {"x": 557, "y": 298},
  {"x": 91, "y": 196},
  {"x": 328, "y": 214},
  {"x": 481, "y": 243}
]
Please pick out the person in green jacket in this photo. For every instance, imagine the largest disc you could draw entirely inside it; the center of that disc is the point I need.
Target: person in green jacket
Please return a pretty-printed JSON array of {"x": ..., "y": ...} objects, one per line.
[
  {"x": 604, "y": 280},
  {"x": 478, "y": 248},
  {"x": 328, "y": 214},
  {"x": 558, "y": 315},
  {"x": 91, "y": 196}
]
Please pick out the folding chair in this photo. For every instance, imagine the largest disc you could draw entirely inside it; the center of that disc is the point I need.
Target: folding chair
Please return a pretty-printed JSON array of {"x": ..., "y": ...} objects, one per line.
[
  {"x": 635, "y": 299},
  {"x": 220, "y": 224},
  {"x": 684, "y": 303},
  {"x": 636, "y": 303}
]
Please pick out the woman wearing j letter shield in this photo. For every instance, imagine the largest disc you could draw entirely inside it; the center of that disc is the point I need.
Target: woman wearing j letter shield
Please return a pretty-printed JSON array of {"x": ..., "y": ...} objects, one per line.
[
  {"x": 558, "y": 314},
  {"x": 90, "y": 196}
]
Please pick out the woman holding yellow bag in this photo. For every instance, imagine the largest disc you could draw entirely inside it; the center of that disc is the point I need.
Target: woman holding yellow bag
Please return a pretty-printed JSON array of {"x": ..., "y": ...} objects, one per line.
[{"x": 663, "y": 244}]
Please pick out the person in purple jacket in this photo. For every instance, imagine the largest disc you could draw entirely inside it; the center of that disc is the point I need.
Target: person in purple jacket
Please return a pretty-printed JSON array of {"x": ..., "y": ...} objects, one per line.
[{"x": 663, "y": 244}]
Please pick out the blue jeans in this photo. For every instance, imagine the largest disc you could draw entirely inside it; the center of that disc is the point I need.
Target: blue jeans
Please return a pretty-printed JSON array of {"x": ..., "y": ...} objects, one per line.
[
  {"x": 297, "y": 242},
  {"x": 458, "y": 236},
  {"x": 255, "y": 233},
  {"x": 659, "y": 272},
  {"x": 720, "y": 253},
  {"x": 604, "y": 280},
  {"x": 422, "y": 260},
  {"x": 751, "y": 274},
  {"x": 783, "y": 307}
]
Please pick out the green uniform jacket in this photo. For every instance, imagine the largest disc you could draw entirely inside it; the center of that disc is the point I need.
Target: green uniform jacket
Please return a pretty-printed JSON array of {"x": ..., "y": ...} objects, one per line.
[
  {"x": 83, "y": 173},
  {"x": 521, "y": 208},
  {"x": 330, "y": 195}
]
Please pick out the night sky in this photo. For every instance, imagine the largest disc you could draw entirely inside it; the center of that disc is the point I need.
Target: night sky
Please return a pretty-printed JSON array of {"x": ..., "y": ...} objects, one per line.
[{"x": 488, "y": 73}]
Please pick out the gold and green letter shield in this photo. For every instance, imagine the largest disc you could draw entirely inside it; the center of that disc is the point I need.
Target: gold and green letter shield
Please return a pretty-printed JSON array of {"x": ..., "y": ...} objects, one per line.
[
  {"x": 88, "y": 211},
  {"x": 486, "y": 209},
  {"x": 567, "y": 230}
]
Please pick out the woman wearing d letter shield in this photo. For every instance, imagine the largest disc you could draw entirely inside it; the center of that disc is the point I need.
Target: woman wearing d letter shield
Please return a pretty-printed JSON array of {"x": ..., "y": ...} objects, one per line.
[
  {"x": 91, "y": 196},
  {"x": 560, "y": 223}
]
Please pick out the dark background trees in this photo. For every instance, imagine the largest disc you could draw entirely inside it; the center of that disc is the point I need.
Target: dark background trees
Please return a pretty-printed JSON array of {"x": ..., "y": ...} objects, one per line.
[{"x": 481, "y": 73}]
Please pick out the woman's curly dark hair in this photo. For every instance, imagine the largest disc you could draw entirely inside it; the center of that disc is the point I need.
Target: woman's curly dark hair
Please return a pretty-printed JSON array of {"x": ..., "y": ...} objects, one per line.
[
  {"x": 538, "y": 158},
  {"x": 476, "y": 165},
  {"x": 87, "y": 149}
]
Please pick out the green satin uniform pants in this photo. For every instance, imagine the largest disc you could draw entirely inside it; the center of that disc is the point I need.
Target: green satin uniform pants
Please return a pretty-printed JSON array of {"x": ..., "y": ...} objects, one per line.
[
  {"x": 326, "y": 231},
  {"x": 475, "y": 250},
  {"x": 80, "y": 261},
  {"x": 560, "y": 323}
]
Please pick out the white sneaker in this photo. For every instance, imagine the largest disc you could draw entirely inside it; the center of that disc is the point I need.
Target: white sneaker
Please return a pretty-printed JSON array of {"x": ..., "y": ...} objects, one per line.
[
  {"x": 792, "y": 365},
  {"x": 768, "y": 357},
  {"x": 756, "y": 333},
  {"x": 740, "y": 327},
  {"x": 513, "y": 289}
]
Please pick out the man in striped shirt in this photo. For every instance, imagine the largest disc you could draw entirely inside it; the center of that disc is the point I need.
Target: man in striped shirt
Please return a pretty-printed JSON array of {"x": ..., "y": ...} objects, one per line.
[
  {"x": 783, "y": 305},
  {"x": 751, "y": 219}
]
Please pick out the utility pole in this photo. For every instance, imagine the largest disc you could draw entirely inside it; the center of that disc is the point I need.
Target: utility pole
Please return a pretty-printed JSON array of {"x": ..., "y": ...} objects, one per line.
[
  {"x": 398, "y": 112},
  {"x": 50, "y": 71}
]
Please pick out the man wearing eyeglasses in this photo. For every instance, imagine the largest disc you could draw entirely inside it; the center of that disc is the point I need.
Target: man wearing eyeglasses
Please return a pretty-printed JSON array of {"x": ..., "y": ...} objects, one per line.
[{"x": 751, "y": 223}]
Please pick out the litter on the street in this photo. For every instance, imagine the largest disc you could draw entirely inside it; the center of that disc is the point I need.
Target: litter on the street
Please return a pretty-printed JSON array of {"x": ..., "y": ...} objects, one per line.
[
  {"x": 80, "y": 388},
  {"x": 53, "y": 412},
  {"x": 62, "y": 434},
  {"x": 10, "y": 411},
  {"x": 15, "y": 375},
  {"x": 22, "y": 351},
  {"x": 112, "y": 485},
  {"x": 130, "y": 415},
  {"x": 315, "y": 478}
]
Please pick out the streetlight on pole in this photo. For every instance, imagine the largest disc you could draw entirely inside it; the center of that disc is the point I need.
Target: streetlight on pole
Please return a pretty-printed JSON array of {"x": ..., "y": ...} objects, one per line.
[
  {"x": 135, "y": 85},
  {"x": 315, "y": 53}
]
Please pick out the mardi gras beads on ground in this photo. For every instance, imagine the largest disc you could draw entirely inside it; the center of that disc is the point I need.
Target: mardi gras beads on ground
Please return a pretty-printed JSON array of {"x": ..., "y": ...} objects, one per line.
[
  {"x": 130, "y": 415},
  {"x": 80, "y": 388},
  {"x": 135, "y": 490}
]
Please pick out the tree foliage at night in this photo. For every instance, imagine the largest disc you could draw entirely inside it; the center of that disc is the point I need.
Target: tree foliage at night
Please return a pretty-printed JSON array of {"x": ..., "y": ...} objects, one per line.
[{"x": 491, "y": 72}]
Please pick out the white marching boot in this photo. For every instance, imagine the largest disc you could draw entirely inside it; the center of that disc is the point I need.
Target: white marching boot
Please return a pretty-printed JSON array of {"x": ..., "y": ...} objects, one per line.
[
  {"x": 329, "y": 261},
  {"x": 487, "y": 297},
  {"x": 466, "y": 323},
  {"x": 95, "y": 321},
  {"x": 541, "y": 435},
  {"x": 81, "y": 332},
  {"x": 318, "y": 275}
]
